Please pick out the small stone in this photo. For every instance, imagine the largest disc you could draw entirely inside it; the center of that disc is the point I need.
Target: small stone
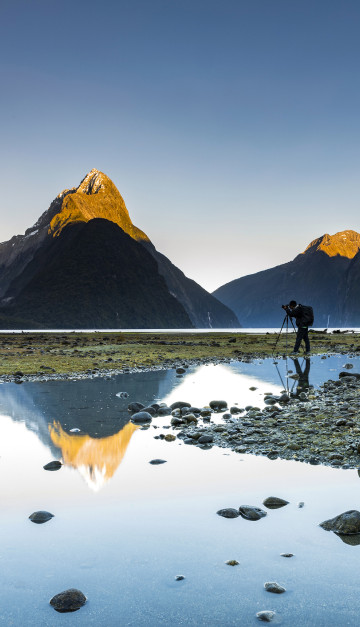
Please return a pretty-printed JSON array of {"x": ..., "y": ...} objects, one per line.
[
  {"x": 274, "y": 502},
  {"x": 169, "y": 437},
  {"x": 228, "y": 512},
  {"x": 55, "y": 465},
  {"x": 40, "y": 517},
  {"x": 218, "y": 405},
  {"x": 205, "y": 439},
  {"x": 179, "y": 405},
  {"x": 180, "y": 370},
  {"x": 135, "y": 407},
  {"x": 141, "y": 417},
  {"x": 179, "y": 577},
  {"x": 250, "y": 512},
  {"x": 232, "y": 563},
  {"x": 272, "y": 586},
  {"x": 68, "y": 601},
  {"x": 253, "y": 388},
  {"x": 287, "y": 554},
  {"x": 300, "y": 504},
  {"x": 156, "y": 462},
  {"x": 265, "y": 615}
]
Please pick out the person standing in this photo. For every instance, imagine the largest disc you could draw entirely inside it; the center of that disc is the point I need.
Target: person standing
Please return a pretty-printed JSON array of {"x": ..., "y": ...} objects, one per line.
[{"x": 304, "y": 317}]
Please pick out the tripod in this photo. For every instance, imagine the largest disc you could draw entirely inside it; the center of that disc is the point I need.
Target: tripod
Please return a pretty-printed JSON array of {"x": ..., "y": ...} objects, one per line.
[{"x": 286, "y": 319}]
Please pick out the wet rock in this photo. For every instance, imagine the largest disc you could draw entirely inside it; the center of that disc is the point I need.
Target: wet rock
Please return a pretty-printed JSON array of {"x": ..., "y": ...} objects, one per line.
[
  {"x": 266, "y": 616},
  {"x": 274, "y": 502},
  {"x": 55, "y": 465},
  {"x": 235, "y": 410},
  {"x": 205, "y": 439},
  {"x": 179, "y": 405},
  {"x": 135, "y": 407},
  {"x": 287, "y": 554},
  {"x": 284, "y": 398},
  {"x": 179, "y": 577},
  {"x": 346, "y": 374},
  {"x": 347, "y": 523},
  {"x": 300, "y": 504},
  {"x": 348, "y": 366},
  {"x": 273, "y": 586},
  {"x": 169, "y": 437},
  {"x": 156, "y": 462},
  {"x": 164, "y": 411},
  {"x": 141, "y": 417},
  {"x": 40, "y": 517},
  {"x": 228, "y": 512},
  {"x": 122, "y": 395},
  {"x": 150, "y": 410},
  {"x": 218, "y": 405},
  {"x": 232, "y": 563},
  {"x": 251, "y": 513},
  {"x": 175, "y": 421},
  {"x": 68, "y": 601},
  {"x": 190, "y": 418},
  {"x": 180, "y": 370}
]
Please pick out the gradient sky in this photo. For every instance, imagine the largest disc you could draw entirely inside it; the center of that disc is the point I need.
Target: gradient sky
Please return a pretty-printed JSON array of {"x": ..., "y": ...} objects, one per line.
[{"x": 231, "y": 128}]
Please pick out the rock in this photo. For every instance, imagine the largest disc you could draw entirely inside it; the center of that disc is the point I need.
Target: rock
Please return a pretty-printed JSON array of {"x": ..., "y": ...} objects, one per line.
[
  {"x": 284, "y": 398},
  {"x": 150, "y": 410},
  {"x": 180, "y": 370},
  {"x": 232, "y": 563},
  {"x": 346, "y": 374},
  {"x": 274, "y": 502},
  {"x": 68, "y": 601},
  {"x": 301, "y": 504},
  {"x": 55, "y": 465},
  {"x": 122, "y": 394},
  {"x": 156, "y": 462},
  {"x": 175, "y": 421},
  {"x": 235, "y": 410},
  {"x": 190, "y": 418},
  {"x": 141, "y": 417},
  {"x": 272, "y": 586},
  {"x": 179, "y": 405},
  {"x": 347, "y": 523},
  {"x": 40, "y": 517},
  {"x": 164, "y": 411},
  {"x": 135, "y": 407},
  {"x": 218, "y": 405},
  {"x": 287, "y": 554},
  {"x": 169, "y": 437},
  {"x": 253, "y": 388},
  {"x": 228, "y": 512},
  {"x": 265, "y": 615},
  {"x": 179, "y": 577},
  {"x": 348, "y": 366},
  {"x": 249, "y": 512},
  {"x": 205, "y": 439}
]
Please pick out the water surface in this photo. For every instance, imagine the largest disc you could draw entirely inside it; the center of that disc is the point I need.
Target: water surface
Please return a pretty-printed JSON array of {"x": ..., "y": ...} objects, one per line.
[{"x": 123, "y": 529}]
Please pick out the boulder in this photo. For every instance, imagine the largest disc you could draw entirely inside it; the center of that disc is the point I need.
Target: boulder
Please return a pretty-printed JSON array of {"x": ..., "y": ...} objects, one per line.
[
  {"x": 347, "y": 523},
  {"x": 68, "y": 601},
  {"x": 141, "y": 417}
]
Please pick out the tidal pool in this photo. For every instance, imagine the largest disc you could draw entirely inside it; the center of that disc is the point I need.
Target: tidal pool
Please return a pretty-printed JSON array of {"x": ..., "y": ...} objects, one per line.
[{"x": 124, "y": 529}]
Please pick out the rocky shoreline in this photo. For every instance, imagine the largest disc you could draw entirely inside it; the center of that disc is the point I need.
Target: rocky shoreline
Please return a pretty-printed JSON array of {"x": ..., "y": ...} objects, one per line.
[{"x": 316, "y": 427}]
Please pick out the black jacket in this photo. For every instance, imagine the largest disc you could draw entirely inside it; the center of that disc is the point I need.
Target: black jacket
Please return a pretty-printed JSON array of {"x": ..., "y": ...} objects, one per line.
[{"x": 298, "y": 314}]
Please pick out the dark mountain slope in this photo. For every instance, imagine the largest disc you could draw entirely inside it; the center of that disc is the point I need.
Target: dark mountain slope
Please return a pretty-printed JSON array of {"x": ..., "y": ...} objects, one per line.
[
  {"x": 98, "y": 197},
  {"x": 93, "y": 275},
  {"x": 316, "y": 277}
]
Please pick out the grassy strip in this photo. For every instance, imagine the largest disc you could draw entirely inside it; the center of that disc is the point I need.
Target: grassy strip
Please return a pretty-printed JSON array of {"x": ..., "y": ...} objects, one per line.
[{"x": 35, "y": 353}]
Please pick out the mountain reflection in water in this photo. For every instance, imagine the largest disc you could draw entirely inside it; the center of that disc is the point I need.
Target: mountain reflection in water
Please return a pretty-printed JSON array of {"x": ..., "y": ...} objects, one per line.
[{"x": 95, "y": 458}]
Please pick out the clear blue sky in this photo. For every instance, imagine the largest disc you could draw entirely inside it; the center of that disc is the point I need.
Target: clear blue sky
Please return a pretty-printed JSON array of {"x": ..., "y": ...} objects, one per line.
[{"x": 231, "y": 128}]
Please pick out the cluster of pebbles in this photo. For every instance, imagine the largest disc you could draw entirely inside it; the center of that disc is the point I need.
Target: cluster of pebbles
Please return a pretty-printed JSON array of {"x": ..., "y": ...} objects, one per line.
[{"x": 315, "y": 426}]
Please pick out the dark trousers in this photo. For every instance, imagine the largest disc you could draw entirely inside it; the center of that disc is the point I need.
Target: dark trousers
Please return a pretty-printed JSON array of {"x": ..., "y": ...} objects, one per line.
[{"x": 302, "y": 334}]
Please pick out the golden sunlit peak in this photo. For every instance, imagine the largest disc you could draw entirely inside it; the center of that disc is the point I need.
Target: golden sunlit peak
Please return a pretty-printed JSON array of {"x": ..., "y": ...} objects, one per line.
[{"x": 344, "y": 243}]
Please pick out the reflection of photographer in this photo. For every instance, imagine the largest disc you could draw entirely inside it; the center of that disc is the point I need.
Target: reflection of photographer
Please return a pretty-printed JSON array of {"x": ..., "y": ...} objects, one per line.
[
  {"x": 304, "y": 317},
  {"x": 303, "y": 380}
]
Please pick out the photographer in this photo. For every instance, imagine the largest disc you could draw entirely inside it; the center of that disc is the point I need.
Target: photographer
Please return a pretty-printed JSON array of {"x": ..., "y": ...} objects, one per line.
[{"x": 304, "y": 317}]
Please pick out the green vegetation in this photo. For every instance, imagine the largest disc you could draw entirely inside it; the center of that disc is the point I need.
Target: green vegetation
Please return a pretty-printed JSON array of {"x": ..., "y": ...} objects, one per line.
[{"x": 35, "y": 353}]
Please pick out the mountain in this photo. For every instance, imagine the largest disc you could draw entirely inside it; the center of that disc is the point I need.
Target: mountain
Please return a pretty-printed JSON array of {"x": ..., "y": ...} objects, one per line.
[
  {"x": 326, "y": 275},
  {"x": 35, "y": 289}
]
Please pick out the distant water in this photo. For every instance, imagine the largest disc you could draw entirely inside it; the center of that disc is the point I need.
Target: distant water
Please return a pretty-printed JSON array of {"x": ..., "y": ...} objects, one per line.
[
  {"x": 175, "y": 331},
  {"x": 124, "y": 529}
]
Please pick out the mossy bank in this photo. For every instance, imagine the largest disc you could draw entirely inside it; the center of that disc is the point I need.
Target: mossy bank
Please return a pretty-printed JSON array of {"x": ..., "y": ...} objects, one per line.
[{"x": 36, "y": 354}]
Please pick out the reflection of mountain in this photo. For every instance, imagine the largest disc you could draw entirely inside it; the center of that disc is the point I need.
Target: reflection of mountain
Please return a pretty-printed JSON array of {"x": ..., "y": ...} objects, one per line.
[
  {"x": 95, "y": 459},
  {"x": 90, "y": 405}
]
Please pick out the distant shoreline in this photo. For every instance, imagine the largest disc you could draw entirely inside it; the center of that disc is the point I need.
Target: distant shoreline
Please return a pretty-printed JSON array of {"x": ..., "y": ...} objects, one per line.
[{"x": 59, "y": 354}]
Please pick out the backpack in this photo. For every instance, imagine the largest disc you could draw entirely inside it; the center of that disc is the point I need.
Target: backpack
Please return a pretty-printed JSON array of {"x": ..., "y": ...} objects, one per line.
[{"x": 307, "y": 315}]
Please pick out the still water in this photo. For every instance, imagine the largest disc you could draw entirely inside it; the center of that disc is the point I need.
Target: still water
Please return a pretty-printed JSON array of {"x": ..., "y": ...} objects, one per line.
[{"x": 123, "y": 529}]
